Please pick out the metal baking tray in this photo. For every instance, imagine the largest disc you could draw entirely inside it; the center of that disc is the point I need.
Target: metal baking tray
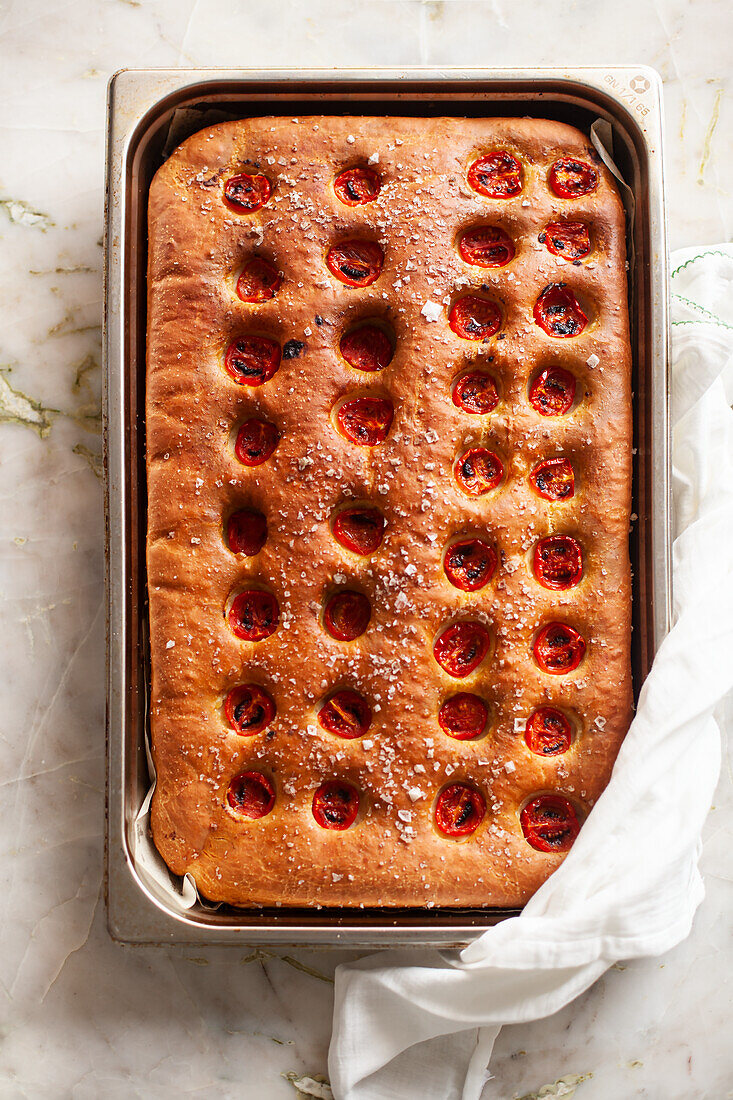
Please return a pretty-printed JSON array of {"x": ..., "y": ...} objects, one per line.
[{"x": 141, "y": 105}]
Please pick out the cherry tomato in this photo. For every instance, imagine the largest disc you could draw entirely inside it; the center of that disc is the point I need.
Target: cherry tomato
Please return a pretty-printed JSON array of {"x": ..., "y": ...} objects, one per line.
[
  {"x": 486, "y": 246},
  {"x": 346, "y": 713},
  {"x": 359, "y": 529},
  {"x": 366, "y": 420},
  {"x": 249, "y": 709},
  {"x": 553, "y": 391},
  {"x": 356, "y": 263},
  {"x": 335, "y": 805},
  {"x": 357, "y": 186},
  {"x": 474, "y": 318},
  {"x": 558, "y": 648},
  {"x": 478, "y": 471},
  {"x": 254, "y": 615},
  {"x": 461, "y": 648},
  {"x": 469, "y": 564},
  {"x": 251, "y": 794},
  {"x": 570, "y": 178},
  {"x": 256, "y": 441},
  {"x": 246, "y": 532},
  {"x": 259, "y": 281},
  {"x": 476, "y": 393},
  {"x": 347, "y": 615},
  {"x": 549, "y": 823},
  {"x": 570, "y": 240},
  {"x": 459, "y": 811},
  {"x": 557, "y": 311},
  {"x": 367, "y": 348},
  {"x": 554, "y": 479},
  {"x": 253, "y": 360},
  {"x": 548, "y": 732},
  {"x": 497, "y": 175},
  {"x": 558, "y": 562},
  {"x": 463, "y": 716},
  {"x": 246, "y": 193}
]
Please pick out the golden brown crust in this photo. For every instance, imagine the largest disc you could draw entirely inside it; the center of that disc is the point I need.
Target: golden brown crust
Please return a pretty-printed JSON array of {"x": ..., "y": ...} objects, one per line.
[{"x": 393, "y": 855}]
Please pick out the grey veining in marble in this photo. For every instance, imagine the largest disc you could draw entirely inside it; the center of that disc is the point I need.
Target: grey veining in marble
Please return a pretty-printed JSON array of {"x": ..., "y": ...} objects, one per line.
[{"x": 82, "y": 1017}]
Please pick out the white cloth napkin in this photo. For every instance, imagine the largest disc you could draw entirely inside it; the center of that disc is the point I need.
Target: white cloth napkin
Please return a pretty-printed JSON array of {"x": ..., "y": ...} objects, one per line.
[{"x": 411, "y": 1024}]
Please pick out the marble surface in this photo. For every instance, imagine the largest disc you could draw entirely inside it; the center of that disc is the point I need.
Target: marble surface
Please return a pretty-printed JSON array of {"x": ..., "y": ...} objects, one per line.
[{"x": 82, "y": 1017}]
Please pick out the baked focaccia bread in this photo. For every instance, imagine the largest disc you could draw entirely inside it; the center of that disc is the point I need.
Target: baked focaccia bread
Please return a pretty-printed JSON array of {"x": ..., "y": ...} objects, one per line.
[{"x": 389, "y": 470}]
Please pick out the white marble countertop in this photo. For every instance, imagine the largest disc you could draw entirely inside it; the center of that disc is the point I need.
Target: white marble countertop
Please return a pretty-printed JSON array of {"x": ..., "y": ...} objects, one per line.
[{"x": 82, "y": 1017}]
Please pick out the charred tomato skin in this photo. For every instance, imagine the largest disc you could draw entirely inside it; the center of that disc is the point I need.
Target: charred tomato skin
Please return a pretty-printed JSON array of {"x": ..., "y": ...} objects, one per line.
[
  {"x": 258, "y": 282},
  {"x": 346, "y": 714},
  {"x": 496, "y": 175},
  {"x": 366, "y": 348},
  {"x": 360, "y": 529},
  {"x": 356, "y": 263},
  {"x": 475, "y": 393},
  {"x": 474, "y": 318},
  {"x": 335, "y": 805},
  {"x": 254, "y": 615},
  {"x": 553, "y": 479},
  {"x": 549, "y": 823},
  {"x": 256, "y": 441},
  {"x": 558, "y": 648},
  {"x": 246, "y": 531},
  {"x": 558, "y": 312},
  {"x": 557, "y": 562},
  {"x": 253, "y": 360},
  {"x": 469, "y": 564},
  {"x": 463, "y": 716},
  {"x": 249, "y": 709},
  {"x": 460, "y": 648},
  {"x": 247, "y": 192},
  {"x": 570, "y": 178},
  {"x": 251, "y": 795},
  {"x": 357, "y": 186},
  {"x": 459, "y": 810},
  {"x": 553, "y": 392},
  {"x": 346, "y": 615},
  {"x": 486, "y": 246},
  {"x": 478, "y": 471},
  {"x": 548, "y": 732},
  {"x": 365, "y": 421}
]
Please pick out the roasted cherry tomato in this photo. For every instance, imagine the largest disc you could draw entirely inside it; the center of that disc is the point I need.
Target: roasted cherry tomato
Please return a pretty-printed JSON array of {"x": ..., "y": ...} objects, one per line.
[
  {"x": 256, "y": 441},
  {"x": 476, "y": 392},
  {"x": 486, "y": 246},
  {"x": 251, "y": 794},
  {"x": 461, "y": 648},
  {"x": 497, "y": 175},
  {"x": 570, "y": 178},
  {"x": 469, "y": 564},
  {"x": 570, "y": 240},
  {"x": 549, "y": 823},
  {"x": 558, "y": 648},
  {"x": 463, "y": 716},
  {"x": 249, "y": 709},
  {"x": 246, "y": 532},
  {"x": 548, "y": 732},
  {"x": 356, "y": 263},
  {"x": 553, "y": 391},
  {"x": 357, "y": 186},
  {"x": 335, "y": 805},
  {"x": 359, "y": 529},
  {"x": 557, "y": 311},
  {"x": 366, "y": 420},
  {"x": 554, "y": 479},
  {"x": 259, "y": 281},
  {"x": 367, "y": 348},
  {"x": 478, "y": 471},
  {"x": 558, "y": 562},
  {"x": 474, "y": 318},
  {"x": 254, "y": 615},
  {"x": 346, "y": 713},
  {"x": 346, "y": 615},
  {"x": 245, "y": 193},
  {"x": 459, "y": 811},
  {"x": 253, "y": 360}
]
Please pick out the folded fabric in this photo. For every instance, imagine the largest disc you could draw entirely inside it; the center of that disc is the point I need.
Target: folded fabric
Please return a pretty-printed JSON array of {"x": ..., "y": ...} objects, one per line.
[{"x": 411, "y": 1024}]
